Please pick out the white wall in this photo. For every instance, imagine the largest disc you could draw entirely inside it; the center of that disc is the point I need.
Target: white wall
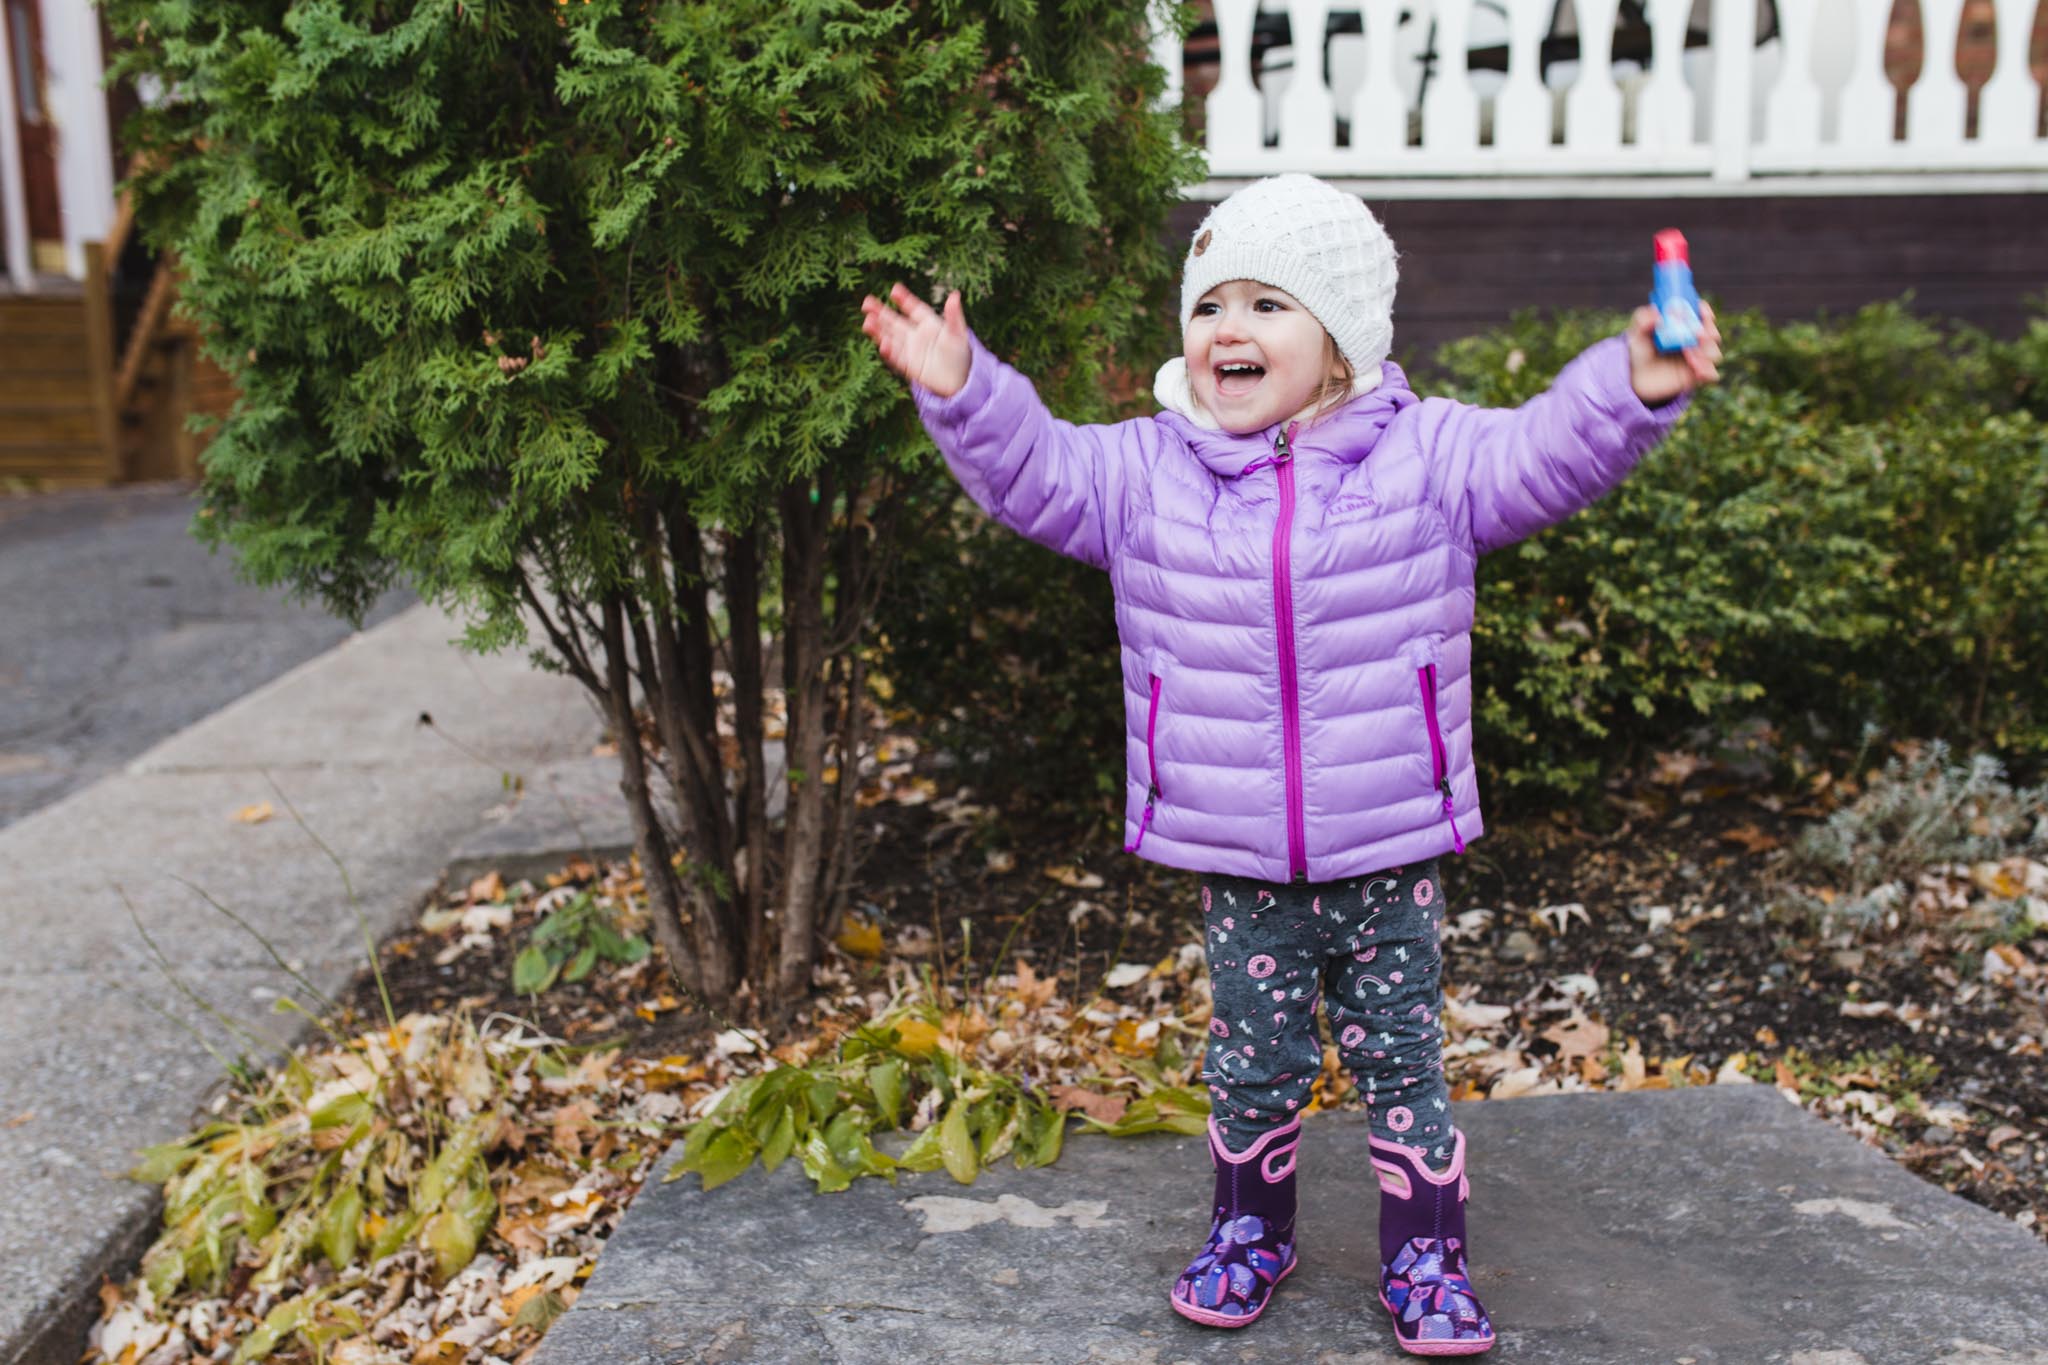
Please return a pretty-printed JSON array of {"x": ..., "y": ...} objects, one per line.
[{"x": 85, "y": 167}]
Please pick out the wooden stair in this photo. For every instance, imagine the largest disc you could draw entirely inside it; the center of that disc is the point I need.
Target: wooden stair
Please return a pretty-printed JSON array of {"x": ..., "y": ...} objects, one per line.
[{"x": 56, "y": 418}]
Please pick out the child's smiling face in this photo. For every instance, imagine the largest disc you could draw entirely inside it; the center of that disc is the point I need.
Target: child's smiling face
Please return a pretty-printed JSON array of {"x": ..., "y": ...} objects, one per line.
[{"x": 1255, "y": 355}]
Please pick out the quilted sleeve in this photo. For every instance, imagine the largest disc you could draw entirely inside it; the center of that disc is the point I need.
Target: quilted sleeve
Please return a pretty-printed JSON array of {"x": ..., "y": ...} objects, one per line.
[
  {"x": 1503, "y": 474},
  {"x": 1064, "y": 486}
]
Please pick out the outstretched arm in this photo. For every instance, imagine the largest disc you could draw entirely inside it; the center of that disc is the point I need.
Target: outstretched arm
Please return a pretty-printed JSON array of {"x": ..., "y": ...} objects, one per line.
[
  {"x": 1060, "y": 484},
  {"x": 1503, "y": 474}
]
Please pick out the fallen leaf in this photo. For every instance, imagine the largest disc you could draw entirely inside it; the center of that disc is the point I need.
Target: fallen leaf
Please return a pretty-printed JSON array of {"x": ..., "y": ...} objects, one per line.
[
  {"x": 1034, "y": 991},
  {"x": 256, "y": 814},
  {"x": 1559, "y": 917},
  {"x": 860, "y": 937},
  {"x": 1750, "y": 838},
  {"x": 1100, "y": 1107},
  {"x": 1070, "y": 876},
  {"x": 1126, "y": 974},
  {"x": 1674, "y": 768},
  {"x": 916, "y": 1037},
  {"x": 1732, "y": 1073},
  {"x": 1577, "y": 1037},
  {"x": 489, "y": 887}
]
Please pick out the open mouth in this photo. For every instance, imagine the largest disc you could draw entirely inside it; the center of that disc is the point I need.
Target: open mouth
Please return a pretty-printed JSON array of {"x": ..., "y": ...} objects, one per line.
[{"x": 1238, "y": 378}]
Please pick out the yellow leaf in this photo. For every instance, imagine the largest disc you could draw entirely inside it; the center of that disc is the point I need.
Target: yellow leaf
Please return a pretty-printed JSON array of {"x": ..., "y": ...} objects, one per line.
[
  {"x": 256, "y": 814},
  {"x": 860, "y": 937},
  {"x": 1124, "y": 1039},
  {"x": 1074, "y": 877},
  {"x": 916, "y": 1038}
]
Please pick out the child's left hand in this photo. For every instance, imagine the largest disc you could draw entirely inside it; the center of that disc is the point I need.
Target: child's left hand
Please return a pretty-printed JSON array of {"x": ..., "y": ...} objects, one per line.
[{"x": 1658, "y": 378}]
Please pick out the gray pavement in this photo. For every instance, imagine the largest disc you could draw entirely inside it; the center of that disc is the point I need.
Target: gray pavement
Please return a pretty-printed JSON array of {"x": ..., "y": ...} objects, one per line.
[
  {"x": 104, "y": 1056},
  {"x": 118, "y": 629},
  {"x": 1714, "y": 1226}
]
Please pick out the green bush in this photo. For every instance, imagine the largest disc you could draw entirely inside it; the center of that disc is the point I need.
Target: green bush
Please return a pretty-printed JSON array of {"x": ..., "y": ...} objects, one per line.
[{"x": 1850, "y": 530}]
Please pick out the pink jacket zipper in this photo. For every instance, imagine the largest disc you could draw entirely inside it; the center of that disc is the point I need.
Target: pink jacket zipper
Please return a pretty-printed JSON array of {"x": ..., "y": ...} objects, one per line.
[
  {"x": 1439, "y": 757},
  {"x": 1152, "y": 762},
  {"x": 1283, "y": 616}
]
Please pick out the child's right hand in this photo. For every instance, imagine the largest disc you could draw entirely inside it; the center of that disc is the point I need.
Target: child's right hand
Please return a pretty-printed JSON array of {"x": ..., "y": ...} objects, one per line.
[{"x": 918, "y": 343}]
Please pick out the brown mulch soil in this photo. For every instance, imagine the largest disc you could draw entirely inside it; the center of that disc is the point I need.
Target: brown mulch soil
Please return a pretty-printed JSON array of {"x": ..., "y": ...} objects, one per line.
[{"x": 1720, "y": 975}]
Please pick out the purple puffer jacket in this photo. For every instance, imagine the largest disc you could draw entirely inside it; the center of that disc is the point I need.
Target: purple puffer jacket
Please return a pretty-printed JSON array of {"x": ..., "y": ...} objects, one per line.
[{"x": 1296, "y": 618}]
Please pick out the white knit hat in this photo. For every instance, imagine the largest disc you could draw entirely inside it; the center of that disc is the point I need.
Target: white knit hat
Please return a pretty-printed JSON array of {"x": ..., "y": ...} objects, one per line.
[{"x": 1321, "y": 245}]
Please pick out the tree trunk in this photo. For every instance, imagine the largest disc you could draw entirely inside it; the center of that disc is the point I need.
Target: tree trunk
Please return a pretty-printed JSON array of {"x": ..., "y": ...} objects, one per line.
[
  {"x": 743, "y": 611},
  {"x": 657, "y": 868},
  {"x": 803, "y": 647}
]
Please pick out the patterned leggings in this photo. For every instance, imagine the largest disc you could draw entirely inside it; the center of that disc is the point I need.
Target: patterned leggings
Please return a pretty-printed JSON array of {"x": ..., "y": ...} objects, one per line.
[{"x": 1369, "y": 947}]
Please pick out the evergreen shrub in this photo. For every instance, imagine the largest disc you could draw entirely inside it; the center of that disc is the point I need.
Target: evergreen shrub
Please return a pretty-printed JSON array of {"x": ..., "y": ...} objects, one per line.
[{"x": 552, "y": 310}]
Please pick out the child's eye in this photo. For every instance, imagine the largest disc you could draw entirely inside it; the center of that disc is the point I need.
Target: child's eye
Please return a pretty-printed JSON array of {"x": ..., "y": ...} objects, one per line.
[
  {"x": 1273, "y": 304},
  {"x": 1203, "y": 310}
]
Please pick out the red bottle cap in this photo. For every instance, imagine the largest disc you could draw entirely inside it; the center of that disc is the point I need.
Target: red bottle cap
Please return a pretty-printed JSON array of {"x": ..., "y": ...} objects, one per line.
[{"x": 1671, "y": 246}]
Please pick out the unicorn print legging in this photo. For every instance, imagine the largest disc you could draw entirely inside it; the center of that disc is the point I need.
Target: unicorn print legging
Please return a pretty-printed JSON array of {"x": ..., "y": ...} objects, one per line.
[{"x": 1369, "y": 947}]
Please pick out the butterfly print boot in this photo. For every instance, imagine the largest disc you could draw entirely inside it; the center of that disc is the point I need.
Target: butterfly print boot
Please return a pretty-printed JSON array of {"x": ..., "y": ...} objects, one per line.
[
  {"x": 1251, "y": 1237},
  {"x": 1423, "y": 1281}
]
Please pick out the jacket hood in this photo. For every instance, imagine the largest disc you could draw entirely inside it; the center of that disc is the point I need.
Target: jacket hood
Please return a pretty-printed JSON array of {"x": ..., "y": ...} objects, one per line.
[{"x": 1347, "y": 435}]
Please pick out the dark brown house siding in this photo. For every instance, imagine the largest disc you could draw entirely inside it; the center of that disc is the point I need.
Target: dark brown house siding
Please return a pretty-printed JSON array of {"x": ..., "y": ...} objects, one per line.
[{"x": 1467, "y": 265}]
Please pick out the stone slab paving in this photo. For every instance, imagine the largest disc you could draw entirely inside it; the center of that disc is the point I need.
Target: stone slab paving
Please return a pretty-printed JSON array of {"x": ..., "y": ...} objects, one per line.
[
  {"x": 1717, "y": 1226},
  {"x": 103, "y": 1055}
]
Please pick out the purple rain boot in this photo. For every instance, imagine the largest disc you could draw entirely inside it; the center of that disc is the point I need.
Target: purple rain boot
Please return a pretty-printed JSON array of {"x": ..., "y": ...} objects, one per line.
[
  {"x": 1251, "y": 1237},
  {"x": 1423, "y": 1282}
]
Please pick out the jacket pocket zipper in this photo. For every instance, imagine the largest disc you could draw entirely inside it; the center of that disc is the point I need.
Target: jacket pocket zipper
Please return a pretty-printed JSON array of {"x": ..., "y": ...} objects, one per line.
[
  {"x": 1439, "y": 756},
  {"x": 1152, "y": 793}
]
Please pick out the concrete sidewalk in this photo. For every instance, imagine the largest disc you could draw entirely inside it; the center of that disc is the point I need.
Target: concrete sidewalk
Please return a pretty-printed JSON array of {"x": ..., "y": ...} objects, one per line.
[
  {"x": 94, "y": 1070},
  {"x": 1712, "y": 1226}
]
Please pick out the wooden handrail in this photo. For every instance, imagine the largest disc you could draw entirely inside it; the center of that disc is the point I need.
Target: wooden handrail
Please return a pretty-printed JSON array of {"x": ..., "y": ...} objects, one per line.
[{"x": 155, "y": 308}]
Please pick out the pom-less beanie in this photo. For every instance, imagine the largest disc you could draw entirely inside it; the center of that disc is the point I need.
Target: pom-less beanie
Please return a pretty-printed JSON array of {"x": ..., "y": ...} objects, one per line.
[{"x": 1311, "y": 239}]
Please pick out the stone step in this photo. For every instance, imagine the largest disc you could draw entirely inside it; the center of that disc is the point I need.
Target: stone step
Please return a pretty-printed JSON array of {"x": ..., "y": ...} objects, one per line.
[{"x": 1719, "y": 1225}]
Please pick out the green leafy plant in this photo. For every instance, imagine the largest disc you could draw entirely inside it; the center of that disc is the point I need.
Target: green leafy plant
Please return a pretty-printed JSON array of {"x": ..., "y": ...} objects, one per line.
[
  {"x": 570, "y": 941},
  {"x": 1922, "y": 810},
  {"x": 890, "y": 1075}
]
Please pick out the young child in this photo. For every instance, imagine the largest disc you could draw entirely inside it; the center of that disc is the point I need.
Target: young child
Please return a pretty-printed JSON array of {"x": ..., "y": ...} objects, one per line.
[{"x": 1293, "y": 544}]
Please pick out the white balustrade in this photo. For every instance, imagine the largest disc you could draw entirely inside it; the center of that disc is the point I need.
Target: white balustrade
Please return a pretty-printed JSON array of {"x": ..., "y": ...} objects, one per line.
[
  {"x": 1379, "y": 116},
  {"x": 1521, "y": 111},
  {"x": 1592, "y": 112},
  {"x": 1868, "y": 100},
  {"x": 1450, "y": 108},
  {"x": 1664, "y": 112},
  {"x": 1236, "y": 119},
  {"x": 1938, "y": 104},
  {"x": 1792, "y": 120},
  {"x": 1742, "y": 115},
  {"x": 1308, "y": 116},
  {"x": 2010, "y": 102}
]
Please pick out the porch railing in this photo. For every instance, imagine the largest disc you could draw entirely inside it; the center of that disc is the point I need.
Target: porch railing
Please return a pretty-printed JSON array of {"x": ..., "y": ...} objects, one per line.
[{"x": 1807, "y": 104}]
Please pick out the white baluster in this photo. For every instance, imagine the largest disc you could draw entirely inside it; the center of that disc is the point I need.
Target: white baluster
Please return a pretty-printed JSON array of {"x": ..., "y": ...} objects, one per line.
[
  {"x": 1521, "y": 111},
  {"x": 2008, "y": 104},
  {"x": 1236, "y": 117},
  {"x": 1450, "y": 111},
  {"x": 1937, "y": 106},
  {"x": 1868, "y": 100},
  {"x": 1308, "y": 116},
  {"x": 1379, "y": 115},
  {"x": 1792, "y": 121},
  {"x": 1168, "y": 55},
  {"x": 1734, "y": 72},
  {"x": 1664, "y": 114},
  {"x": 1592, "y": 111}
]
